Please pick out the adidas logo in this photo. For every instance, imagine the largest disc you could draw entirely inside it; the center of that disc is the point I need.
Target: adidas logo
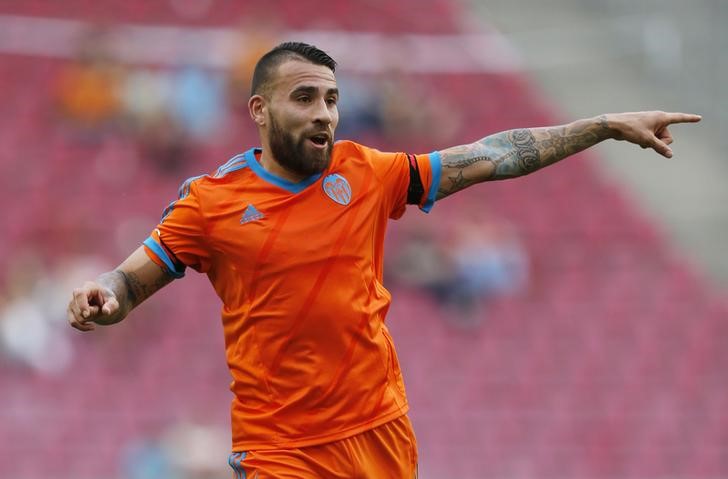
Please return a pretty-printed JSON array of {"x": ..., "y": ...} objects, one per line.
[{"x": 251, "y": 214}]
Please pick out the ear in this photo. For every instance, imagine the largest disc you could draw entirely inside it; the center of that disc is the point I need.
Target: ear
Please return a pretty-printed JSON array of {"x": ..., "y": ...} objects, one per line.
[{"x": 257, "y": 107}]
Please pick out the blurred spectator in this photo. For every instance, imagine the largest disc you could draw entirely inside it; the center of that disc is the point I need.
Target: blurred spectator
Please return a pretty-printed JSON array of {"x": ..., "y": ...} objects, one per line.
[
  {"x": 257, "y": 34},
  {"x": 360, "y": 109},
  {"x": 88, "y": 88},
  {"x": 197, "y": 101},
  {"x": 170, "y": 113},
  {"x": 195, "y": 450},
  {"x": 146, "y": 459},
  {"x": 480, "y": 260},
  {"x": 148, "y": 99},
  {"x": 185, "y": 450},
  {"x": 146, "y": 95},
  {"x": 422, "y": 262},
  {"x": 33, "y": 328},
  {"x": 164, "y": 142},
  {"x": 410, "y": 112},
  {"x": 489, "y": 261}
]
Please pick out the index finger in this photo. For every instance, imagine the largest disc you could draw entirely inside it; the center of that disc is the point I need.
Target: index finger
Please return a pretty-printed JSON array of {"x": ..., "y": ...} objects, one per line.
[{"x": 683, "y": 118}]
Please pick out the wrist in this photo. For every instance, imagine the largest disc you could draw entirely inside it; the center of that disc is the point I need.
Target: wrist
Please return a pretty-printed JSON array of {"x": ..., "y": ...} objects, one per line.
[{"x": 606, "y": 126}]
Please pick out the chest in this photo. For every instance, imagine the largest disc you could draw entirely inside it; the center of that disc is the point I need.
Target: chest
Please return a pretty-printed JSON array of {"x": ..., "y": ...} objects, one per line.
[{"x": 265, "y": 227}]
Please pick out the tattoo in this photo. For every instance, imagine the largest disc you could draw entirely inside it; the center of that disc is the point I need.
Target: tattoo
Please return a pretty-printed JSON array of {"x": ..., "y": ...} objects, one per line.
[
  {"x": 528, "y": 156},
  {"x": 457, "y": 181},
  {"x": 563, "y": 141},
  {"x": 140, "y": 291},
  {"x": 136, "y": 290},
  {"x": 130, "y": 280},
  {"x": 516, "y": 153},
  {"x": 505, "y": 167},
  {"x": 459, "y": 158},
  {"x": 468, "y": 161}
]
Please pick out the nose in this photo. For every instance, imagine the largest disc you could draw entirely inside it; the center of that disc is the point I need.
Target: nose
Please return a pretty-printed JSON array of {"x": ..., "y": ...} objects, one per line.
[{"x": 322, "y": 114}]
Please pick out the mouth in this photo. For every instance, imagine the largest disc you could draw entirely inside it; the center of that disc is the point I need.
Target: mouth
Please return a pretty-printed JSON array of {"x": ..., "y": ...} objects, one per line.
[{"x": 319, "y": 140}]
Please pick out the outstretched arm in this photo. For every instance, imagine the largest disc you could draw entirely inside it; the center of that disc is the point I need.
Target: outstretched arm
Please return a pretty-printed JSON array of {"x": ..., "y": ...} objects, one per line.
[
  {"x": 514, "y": 153},
  {"x": 113, "y": 295}
]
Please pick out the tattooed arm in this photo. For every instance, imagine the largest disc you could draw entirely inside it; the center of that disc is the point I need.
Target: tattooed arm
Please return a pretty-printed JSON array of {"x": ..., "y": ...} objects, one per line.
[
  {"x": 514, "y": 153},
  {"x": 113, "y": 295}
]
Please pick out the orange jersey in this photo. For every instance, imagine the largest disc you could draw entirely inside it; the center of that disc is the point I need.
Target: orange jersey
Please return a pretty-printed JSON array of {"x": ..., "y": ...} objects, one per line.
[{"x": 298, "y": 267}]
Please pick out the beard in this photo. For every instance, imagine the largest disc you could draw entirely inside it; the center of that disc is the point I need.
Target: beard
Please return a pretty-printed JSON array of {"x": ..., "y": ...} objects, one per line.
[{"x": 293, "y": 155}]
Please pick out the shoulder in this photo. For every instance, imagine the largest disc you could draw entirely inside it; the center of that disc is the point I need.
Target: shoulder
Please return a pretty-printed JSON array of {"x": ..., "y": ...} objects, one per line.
[
  {"x": 351, "y": 148},
  {"x": 206, "y": 184},
  {"x": 352, "y": 152},
  {"x": 345, "y": 148}
]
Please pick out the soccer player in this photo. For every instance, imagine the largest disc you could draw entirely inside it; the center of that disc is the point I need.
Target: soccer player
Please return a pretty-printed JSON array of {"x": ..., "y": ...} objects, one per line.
[{"x": 291, "y": 237}]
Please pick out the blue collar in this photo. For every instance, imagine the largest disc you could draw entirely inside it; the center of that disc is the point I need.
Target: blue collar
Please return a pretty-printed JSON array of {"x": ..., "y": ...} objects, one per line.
[{"x": 264, "y": 174}]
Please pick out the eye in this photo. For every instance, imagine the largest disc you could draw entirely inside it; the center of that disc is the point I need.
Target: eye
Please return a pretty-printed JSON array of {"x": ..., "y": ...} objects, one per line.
[
  {"x": 304, "y": 99},
  {"x": 331, "y": 101}
]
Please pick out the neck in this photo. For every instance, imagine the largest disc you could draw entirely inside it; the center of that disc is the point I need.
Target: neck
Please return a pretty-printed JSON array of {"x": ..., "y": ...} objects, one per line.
[{"x": 271, "y": 165}]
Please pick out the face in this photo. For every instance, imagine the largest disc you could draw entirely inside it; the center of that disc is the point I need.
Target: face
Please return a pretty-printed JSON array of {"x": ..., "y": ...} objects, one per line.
[{"x": 300, "y": 117}]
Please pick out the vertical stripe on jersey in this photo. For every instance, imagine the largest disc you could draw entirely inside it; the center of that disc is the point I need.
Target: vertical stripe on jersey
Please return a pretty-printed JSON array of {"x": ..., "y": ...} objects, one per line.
[
  {"x": 182, "y": 193},
  {"x": 235, "y": 163},
  {"x": 262, "y": 255},
  {"x": 300, "y": 318}
]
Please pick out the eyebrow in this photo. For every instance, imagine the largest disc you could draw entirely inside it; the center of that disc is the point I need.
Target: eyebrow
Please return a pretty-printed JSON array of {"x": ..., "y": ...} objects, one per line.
[{"x": 313, "y": 90}]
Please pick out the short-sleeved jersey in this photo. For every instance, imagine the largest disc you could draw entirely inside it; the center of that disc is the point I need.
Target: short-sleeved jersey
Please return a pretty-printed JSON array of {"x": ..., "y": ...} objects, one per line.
[{"x": 298, "y": 267}]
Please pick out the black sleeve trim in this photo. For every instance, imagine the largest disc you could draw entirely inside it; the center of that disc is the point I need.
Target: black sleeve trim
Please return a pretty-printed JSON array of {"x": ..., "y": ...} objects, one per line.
[{"x": 416, "y": 189}]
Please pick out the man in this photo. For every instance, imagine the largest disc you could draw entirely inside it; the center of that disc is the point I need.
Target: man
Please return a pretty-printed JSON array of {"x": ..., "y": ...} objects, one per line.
[{"x": 291, "y": 236}]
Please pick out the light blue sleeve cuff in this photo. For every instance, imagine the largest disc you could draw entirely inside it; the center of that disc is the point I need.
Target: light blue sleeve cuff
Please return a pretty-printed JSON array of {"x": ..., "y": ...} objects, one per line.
[
  {"x": 161, "y": 254},
  {"x": 435, "y": 167}
]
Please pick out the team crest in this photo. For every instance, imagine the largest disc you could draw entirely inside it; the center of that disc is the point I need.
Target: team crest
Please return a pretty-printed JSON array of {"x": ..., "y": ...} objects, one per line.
[{"x": 337, "y": 188}]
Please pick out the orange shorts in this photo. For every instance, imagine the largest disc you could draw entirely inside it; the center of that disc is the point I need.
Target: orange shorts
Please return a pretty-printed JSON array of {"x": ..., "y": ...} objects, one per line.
[{"x": 388, "y": 451}]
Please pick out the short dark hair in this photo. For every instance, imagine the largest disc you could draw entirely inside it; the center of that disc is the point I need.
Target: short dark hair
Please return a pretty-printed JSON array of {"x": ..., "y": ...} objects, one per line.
[{"x": 267, "y": 64}]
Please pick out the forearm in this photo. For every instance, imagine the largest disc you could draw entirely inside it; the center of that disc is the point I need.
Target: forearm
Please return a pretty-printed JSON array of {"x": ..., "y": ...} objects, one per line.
[
  {"x": 113, "y": 295},
  {"x": 514, "y": 153},
  {"x": 130, "y": 290}
]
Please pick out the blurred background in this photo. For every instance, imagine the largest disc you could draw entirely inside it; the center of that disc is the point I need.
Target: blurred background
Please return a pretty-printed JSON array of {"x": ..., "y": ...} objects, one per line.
[{"x": 570, "y": 324}]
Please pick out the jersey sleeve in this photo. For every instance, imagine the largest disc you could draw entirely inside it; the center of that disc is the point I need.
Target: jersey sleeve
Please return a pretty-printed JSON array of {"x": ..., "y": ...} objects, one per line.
[
  {"x": 407, "y": 179},
  {"x": 178, "y": 241}
]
